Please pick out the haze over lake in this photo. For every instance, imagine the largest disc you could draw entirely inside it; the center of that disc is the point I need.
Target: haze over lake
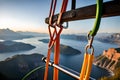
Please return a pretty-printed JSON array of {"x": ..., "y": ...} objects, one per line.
[{"x": 68, "y": 61}]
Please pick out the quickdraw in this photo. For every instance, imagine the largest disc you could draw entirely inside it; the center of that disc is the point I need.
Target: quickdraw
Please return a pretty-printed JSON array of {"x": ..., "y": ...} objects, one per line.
[{"x": 88, "y": 58}]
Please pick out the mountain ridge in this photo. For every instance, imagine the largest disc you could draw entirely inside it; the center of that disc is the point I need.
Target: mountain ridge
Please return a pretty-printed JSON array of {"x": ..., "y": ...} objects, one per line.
[
  {"x": 7, "y": 34},
  {"x": 113, "y": 38}
]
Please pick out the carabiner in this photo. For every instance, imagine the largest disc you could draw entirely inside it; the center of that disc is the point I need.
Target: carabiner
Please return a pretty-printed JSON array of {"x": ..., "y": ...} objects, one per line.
[
  {"x": 98, "y": 18},
  {"x": 90, "y": 40},
  {"x": 88, "y": 47},
  {"x": 66, "y": 26}
]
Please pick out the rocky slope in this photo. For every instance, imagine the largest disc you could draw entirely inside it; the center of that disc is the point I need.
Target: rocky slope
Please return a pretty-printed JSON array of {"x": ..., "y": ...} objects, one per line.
[
  {"x": 18, "y": 66},
  {"x": 110, "y": 59}
]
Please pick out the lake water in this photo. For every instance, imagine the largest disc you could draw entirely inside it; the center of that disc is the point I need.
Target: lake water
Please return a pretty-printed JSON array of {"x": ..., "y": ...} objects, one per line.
[{"x": 72, "y": 61}]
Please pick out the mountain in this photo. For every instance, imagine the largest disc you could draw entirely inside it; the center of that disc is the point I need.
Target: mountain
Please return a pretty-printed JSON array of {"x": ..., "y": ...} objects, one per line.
[
  {"x": 16, "y": 67},
  {"x": 35, "y": 34},
  {"x": 113, "y": 38},
  {"x": 74, "y": 37},
  {"x": 7, "y": 34},
  {"x": 10, "y": 46}
]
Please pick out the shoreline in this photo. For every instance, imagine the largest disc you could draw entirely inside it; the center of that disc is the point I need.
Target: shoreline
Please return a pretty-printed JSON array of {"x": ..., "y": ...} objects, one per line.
[{"x": 110, "y": 71}]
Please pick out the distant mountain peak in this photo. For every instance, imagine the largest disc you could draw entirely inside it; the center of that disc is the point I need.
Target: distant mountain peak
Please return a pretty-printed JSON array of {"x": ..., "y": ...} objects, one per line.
[
  {"x": 6, "y": 31},
  {"x": 8, "y": 34}
]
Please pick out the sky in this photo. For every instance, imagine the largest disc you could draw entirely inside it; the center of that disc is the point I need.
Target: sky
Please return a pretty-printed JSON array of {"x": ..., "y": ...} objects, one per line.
[{"x": 29, "y": 15}]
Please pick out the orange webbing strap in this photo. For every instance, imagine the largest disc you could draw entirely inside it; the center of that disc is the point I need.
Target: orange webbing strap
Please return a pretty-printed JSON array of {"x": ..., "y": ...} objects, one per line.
[
  {"x": 86, "y": 67},
  {"x": 56, "y": 57},
  {"x": 90, "y": 61},
  {"x": 54, "y": 38},
  {"x": 52, "y": 10},
  {"x": 51, "y": 43},
  {"x": 56, "y": 53},
  {"x": 47, "y": 65},
  {"x": 57, "y": 43},
  {"x": 82, "y": 74},
  {"x": 63, "y": 9}
]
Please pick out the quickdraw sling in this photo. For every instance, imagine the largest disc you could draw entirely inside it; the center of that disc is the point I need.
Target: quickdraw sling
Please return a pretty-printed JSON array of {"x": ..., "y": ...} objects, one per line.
[{"x": 88, "y": 58}]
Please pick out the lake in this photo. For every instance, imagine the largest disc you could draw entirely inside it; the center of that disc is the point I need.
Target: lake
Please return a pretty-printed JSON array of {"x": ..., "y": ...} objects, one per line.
[{"x": 72, "y": 61}]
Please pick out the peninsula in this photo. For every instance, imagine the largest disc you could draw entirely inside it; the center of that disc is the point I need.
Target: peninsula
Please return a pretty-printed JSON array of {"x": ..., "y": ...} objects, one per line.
[
  {"x": 11, "y": 46},
  {"x": 64, "y": 49}
]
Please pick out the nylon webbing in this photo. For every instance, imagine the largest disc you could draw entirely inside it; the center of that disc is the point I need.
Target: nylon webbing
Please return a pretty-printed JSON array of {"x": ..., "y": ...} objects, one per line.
[
  {"x": 55, "y": 41},
  {"x": 56, "y": 57},
  {"x": 88, "y": 58},
  {"x": 52, "y": 10},
  {"x": 54, "y": 37},
  {"x": 57, "y": 46},
  {"x": 86, "y": 67},
  {"x": 63, "y": 9}
]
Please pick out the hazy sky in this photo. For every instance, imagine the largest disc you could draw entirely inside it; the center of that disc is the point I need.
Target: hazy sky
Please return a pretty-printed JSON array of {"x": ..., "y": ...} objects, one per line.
[{"x": 29, "y": 15}]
